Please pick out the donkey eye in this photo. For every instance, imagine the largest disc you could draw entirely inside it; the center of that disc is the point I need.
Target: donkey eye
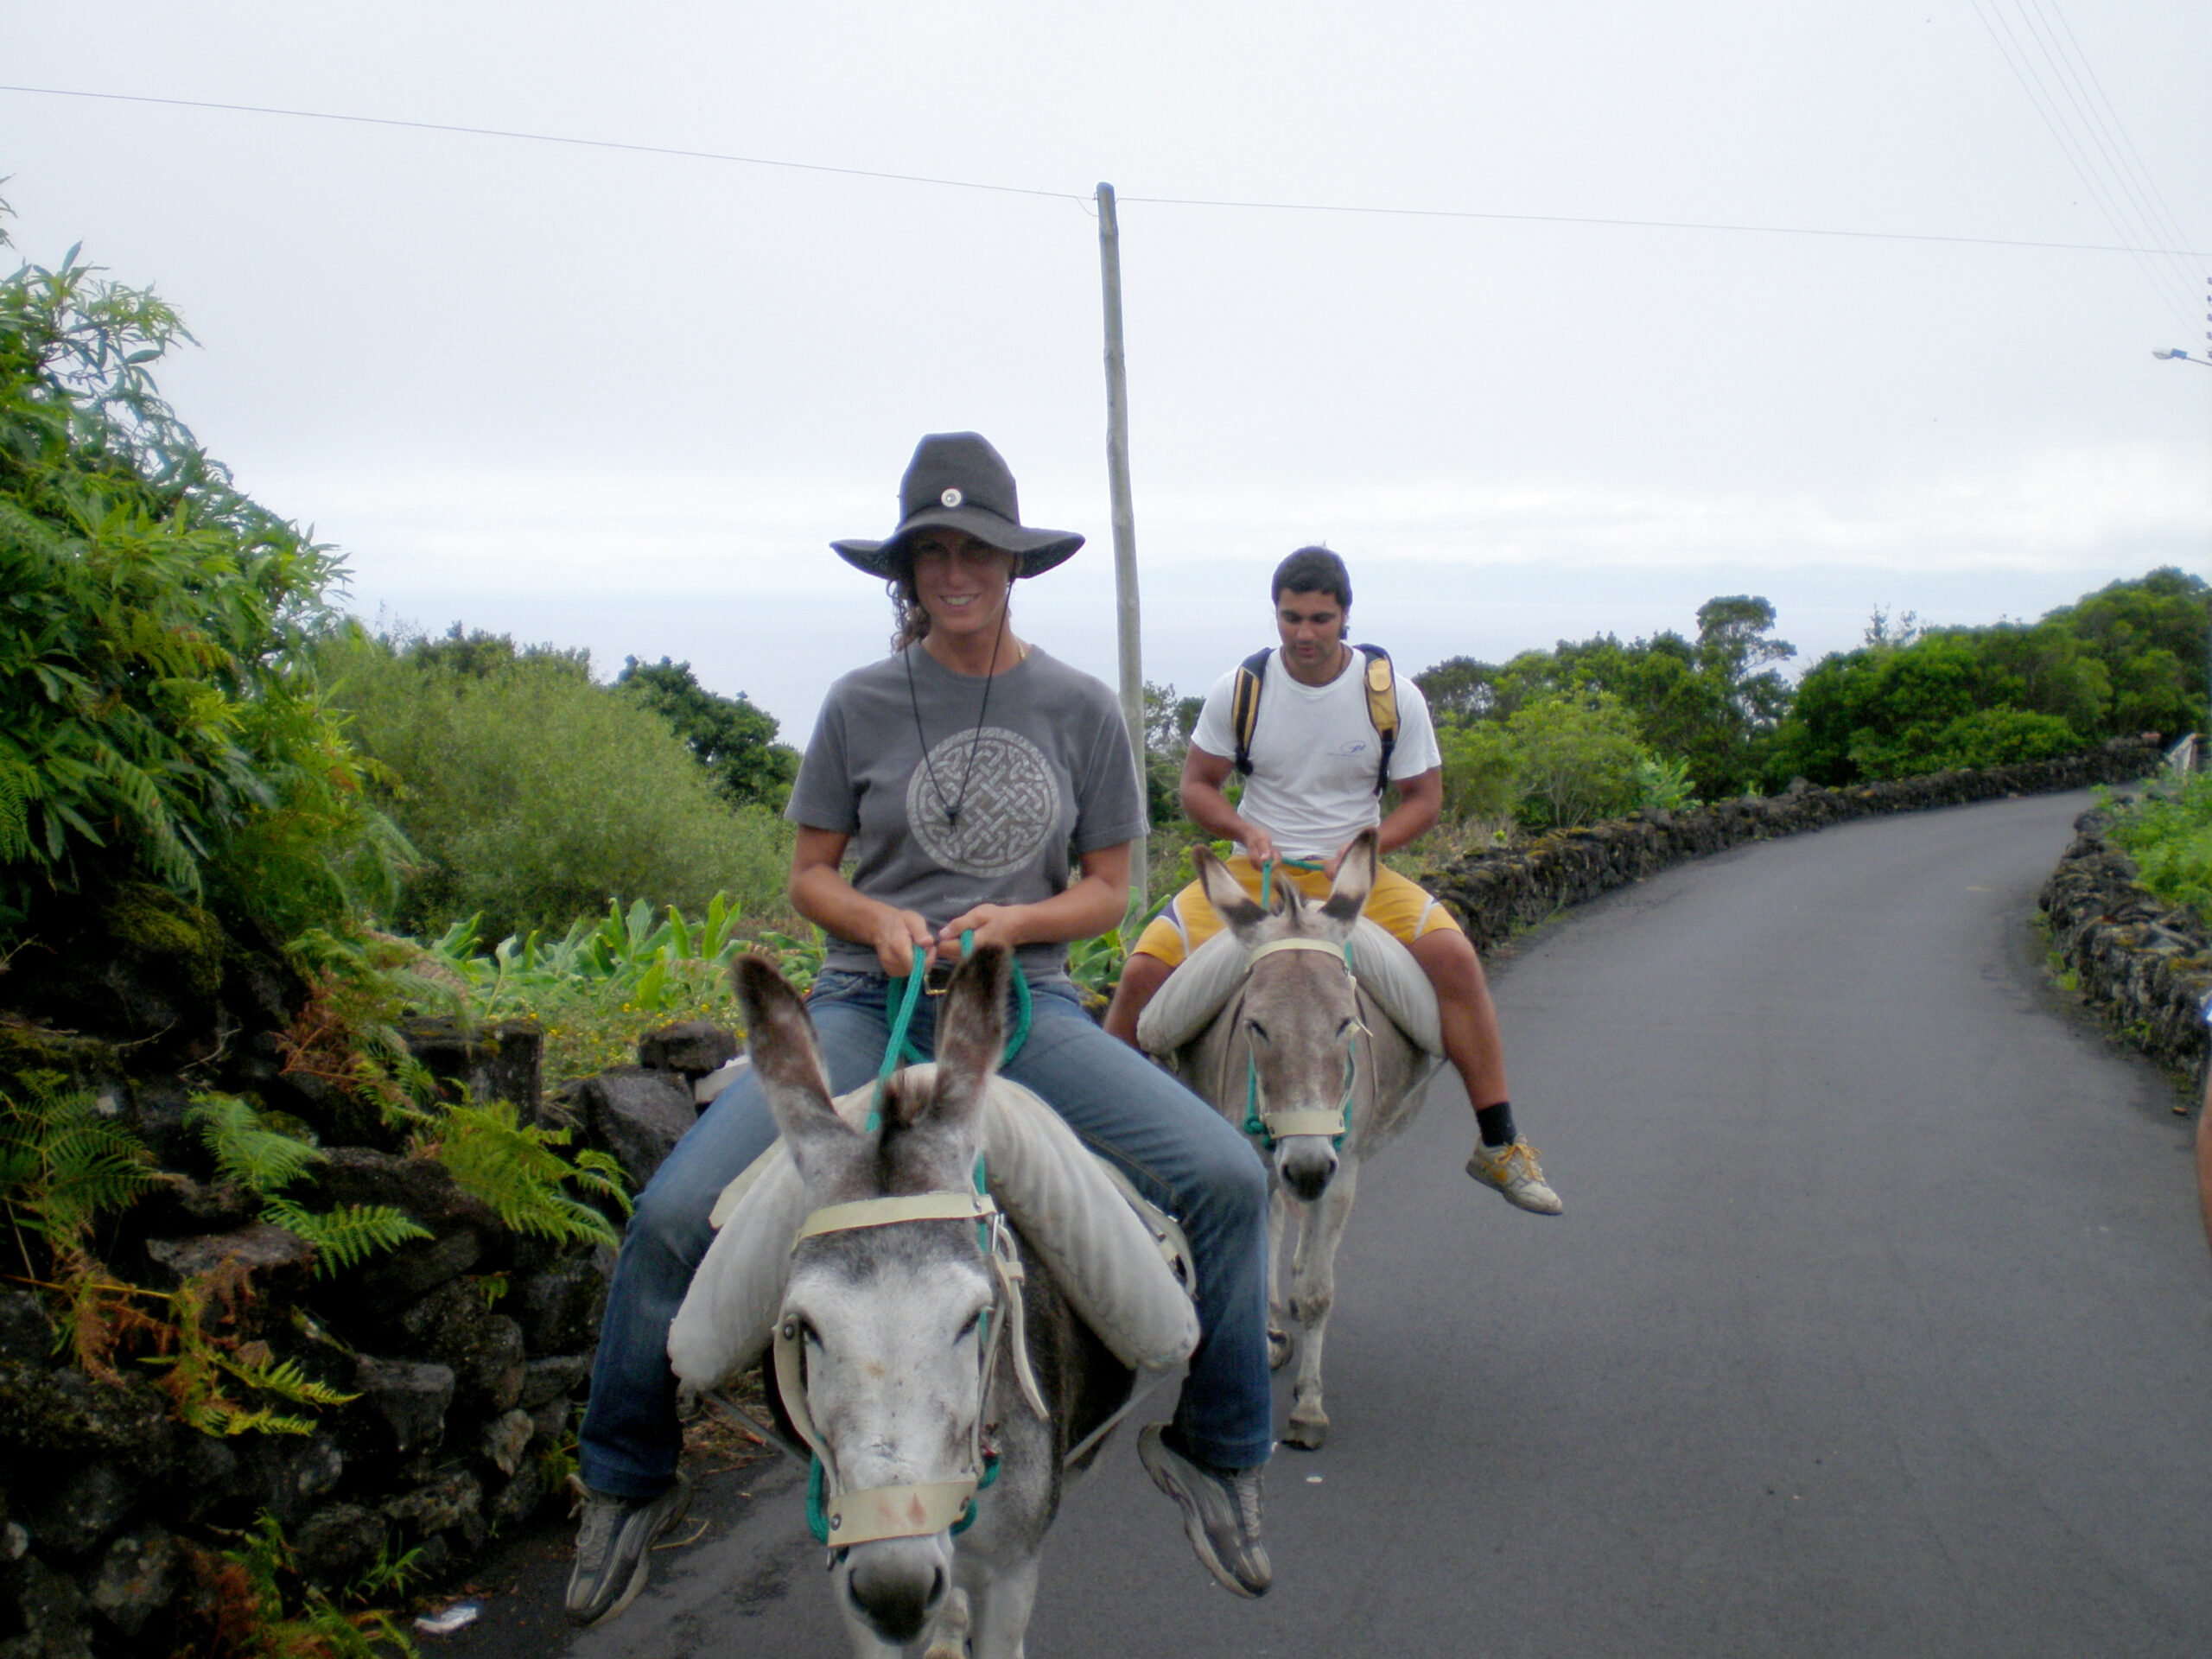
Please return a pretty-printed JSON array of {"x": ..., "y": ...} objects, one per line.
[
  {"x": 1256, "y": 1029},
  {"x": 969, "y": 1329}
]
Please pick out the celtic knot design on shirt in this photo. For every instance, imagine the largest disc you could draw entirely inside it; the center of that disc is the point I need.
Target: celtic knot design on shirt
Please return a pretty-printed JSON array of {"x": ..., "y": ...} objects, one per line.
[{"x": 1012, "y": 803}]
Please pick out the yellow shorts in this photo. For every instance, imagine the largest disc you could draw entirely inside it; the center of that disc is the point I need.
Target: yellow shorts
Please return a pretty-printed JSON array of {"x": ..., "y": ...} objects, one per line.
[{"x": 1402, "y": 908}]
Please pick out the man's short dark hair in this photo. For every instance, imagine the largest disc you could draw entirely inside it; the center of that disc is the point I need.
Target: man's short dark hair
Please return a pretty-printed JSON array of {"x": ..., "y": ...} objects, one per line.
[{"x": 1312, "y": 570}]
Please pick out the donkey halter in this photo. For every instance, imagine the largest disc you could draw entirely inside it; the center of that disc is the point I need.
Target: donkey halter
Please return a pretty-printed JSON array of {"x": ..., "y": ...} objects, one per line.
[
  {"x": 841, "y": 1518},
  {"x": 1274, "y": 1126}
]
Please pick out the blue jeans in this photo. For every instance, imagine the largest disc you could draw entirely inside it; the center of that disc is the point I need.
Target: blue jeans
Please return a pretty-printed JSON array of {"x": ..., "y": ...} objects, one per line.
[{"x": 1179, "y": 1152}]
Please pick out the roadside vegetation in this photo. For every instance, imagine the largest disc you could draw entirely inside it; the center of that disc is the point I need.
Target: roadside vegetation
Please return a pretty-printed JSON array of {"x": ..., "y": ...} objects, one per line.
[
  {"x": 1594, "y": 728},
  {"x": 218, "y": 799},
  {"x": 2167, "y": 830}
]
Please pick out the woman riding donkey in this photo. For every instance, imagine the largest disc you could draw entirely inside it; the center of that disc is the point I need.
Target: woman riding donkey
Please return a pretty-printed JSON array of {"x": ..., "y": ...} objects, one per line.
[{"x": 953, "y": 780}]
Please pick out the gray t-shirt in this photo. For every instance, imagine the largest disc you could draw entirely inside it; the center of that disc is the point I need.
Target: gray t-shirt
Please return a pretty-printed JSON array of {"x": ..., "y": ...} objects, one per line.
[{"x": 991, "y": 813}]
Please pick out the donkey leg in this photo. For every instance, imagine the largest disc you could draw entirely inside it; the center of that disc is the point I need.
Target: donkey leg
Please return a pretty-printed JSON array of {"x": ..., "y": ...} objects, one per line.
[
  {"x": 949, "y": 1633},
  {"x": 1001, "y": 1609},
  {"x": 1279, "y": 1345},
  {"x": 1313, "y": 1291}
]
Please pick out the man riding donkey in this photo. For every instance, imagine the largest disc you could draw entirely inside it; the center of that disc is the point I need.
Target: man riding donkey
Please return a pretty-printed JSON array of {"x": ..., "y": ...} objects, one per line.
[{"x": 1320, "y": 728}]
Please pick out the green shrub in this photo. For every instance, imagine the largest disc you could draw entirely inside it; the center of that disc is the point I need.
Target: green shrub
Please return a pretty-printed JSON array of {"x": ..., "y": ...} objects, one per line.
[
  {"x": 158, "y": 719},
  {"x": 532, "y": 795},
  {"x": 1482, "y": 768},
  {"x": 1577, "y": 753},
  {"x": 2168, "y": 832},
  {"x": 1998, "y": 737}
]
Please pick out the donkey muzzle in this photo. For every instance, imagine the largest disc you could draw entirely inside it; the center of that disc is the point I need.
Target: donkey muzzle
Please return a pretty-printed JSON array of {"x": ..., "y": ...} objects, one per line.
[
  {"x": 898, "y": 1583},
  {"x": 1306, "y": 1163}
]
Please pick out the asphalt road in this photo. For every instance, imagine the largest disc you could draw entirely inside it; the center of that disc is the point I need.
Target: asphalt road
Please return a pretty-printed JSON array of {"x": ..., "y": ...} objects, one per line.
[{"x": 1879, "y": 1323}]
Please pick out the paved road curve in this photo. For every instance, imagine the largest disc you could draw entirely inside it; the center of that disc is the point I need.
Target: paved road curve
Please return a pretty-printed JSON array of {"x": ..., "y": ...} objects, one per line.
[{"x": 1877, "y": 1323}]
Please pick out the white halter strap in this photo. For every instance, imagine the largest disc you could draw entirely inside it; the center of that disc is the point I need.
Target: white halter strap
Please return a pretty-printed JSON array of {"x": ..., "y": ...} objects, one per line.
[
  {"x": 1322, "y": 945},
  {"x": 1280, "y": 1125}
]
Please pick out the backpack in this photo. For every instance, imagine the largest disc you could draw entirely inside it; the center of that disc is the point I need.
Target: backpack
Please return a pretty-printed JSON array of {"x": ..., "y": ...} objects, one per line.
[{"x": 1381, "y": 706}]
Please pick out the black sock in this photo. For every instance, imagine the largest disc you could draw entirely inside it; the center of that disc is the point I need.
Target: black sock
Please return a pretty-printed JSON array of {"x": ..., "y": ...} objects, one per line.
[{"x": 1495, "y": 1123}]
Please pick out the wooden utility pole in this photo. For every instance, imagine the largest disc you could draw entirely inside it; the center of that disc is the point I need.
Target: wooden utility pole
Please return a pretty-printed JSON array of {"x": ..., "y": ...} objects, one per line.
[{"x": 1125, "y": 519}]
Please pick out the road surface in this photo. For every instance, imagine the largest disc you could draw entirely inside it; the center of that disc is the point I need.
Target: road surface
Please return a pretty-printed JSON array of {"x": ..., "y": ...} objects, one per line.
[{"x": 1879, "y": 1323}]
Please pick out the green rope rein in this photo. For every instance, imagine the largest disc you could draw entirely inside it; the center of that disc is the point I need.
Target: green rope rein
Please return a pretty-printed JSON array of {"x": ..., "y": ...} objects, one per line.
[
  {"x": 1268, "y": 872},
  {"x": 906, "y": 993}
]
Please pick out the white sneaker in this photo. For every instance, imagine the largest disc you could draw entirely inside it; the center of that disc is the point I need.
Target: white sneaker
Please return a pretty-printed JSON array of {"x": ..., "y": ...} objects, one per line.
[{"x": 1519, "y": 1179}]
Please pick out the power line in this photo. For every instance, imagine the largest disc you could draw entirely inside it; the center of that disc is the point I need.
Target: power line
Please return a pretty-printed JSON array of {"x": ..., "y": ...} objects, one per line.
[
  {"x": 1643, "y": 223},
  {"x": 547, "y": 138},
  {"x": 2082, "y": 140},
  {"x": 1085, "y": 197}
]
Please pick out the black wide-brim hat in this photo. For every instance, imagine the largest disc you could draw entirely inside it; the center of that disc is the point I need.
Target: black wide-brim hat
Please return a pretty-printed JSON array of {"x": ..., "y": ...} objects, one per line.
[{"x": 956, "y": 480}]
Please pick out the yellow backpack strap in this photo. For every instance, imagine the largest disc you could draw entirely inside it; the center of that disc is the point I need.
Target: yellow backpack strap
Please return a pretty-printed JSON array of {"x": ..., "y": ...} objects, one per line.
[
  {"x": 1244, "y": 705},
  {"x": 1382, "y": 707}
]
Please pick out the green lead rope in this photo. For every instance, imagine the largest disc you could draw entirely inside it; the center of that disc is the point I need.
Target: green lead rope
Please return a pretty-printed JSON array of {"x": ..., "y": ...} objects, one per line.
[
  {"x": 1267, "y": 874},
  {"x": 906, "y": 994}
]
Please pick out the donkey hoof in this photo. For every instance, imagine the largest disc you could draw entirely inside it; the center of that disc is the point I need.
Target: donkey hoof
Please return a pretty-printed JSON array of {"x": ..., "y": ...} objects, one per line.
[
  {"x": 1279, "y": 1348},
  {"x": 1307, "y": 1436}
]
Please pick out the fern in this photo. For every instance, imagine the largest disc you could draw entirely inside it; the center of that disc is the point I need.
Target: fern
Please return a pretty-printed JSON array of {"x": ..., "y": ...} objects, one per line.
[
  {"x": 256, "y": 1577},
  {"x": 245, "y": 1149},
  {"x": 347, "y": 1234},
  {"x": 265, "y": 1161},
  {"x": 514, "y": 1167},
  {"x": 194, "y": 1375},
  {"x": 19, "y": 787},
  {"x": 61, "y": 1163}
]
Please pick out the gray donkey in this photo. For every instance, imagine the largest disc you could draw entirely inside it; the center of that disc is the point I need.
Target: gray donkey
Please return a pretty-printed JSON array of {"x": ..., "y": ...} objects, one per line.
[
  {"x": 940, "y": 1469},
  {"x": 1302, "y": 1047}
]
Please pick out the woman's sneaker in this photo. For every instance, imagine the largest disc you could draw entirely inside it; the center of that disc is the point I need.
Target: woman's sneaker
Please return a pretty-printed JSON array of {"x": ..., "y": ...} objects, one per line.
[
  {"x": 614, "y": 1547},
  {"x": 1221, "y": 1513},
  {"x": 1514, "y": 1171}
]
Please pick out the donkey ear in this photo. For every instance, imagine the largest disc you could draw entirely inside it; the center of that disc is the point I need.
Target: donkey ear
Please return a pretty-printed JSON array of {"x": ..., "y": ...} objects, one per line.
[
  {"x": 972, "y": 1033},
  {"x": 1355, "y": 880},
  {"x": 1231, "y": 902},
  {"x": 780, "y": 1037}
]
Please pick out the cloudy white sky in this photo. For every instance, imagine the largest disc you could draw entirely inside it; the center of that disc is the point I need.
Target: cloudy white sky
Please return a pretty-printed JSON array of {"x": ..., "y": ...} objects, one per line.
[{"x": 623, "y": 400}]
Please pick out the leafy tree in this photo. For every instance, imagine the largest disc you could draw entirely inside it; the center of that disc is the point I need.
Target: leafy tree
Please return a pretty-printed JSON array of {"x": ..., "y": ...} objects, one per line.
[
  {"x": 733, "y": 740},
  {"x": 1168, "y": 721},
  {"x": 2150, "y": 634},
  {"x": 2128, "y": 658},
  {"x": 159, "y": 718},
  {"x": 1459, "y": 690},
  {"x": 1713, "y": 702},
  {"x": 1578, "y": 757},
  {"x": 476, "y": 655}
]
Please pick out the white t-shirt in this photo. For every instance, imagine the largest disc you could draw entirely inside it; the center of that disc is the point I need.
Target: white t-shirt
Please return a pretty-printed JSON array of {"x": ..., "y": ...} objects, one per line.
[{"x": 1314, "y": 752}]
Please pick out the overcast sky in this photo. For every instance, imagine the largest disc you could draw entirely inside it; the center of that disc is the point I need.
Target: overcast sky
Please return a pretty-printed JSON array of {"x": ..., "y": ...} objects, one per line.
[{"x": 624, "y": 400}]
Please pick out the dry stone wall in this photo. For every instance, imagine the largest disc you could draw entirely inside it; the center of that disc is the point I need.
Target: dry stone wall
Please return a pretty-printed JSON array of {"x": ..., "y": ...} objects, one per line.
[
  {"x": 1494, "y": 893},
  {"x": 2143, "y": 965},
  {"x": 467, "y": 1353}
]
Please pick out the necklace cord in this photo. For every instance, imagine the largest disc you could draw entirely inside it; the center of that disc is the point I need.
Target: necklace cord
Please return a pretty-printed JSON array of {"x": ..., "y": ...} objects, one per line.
[{"x": 915, "y": 703}]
